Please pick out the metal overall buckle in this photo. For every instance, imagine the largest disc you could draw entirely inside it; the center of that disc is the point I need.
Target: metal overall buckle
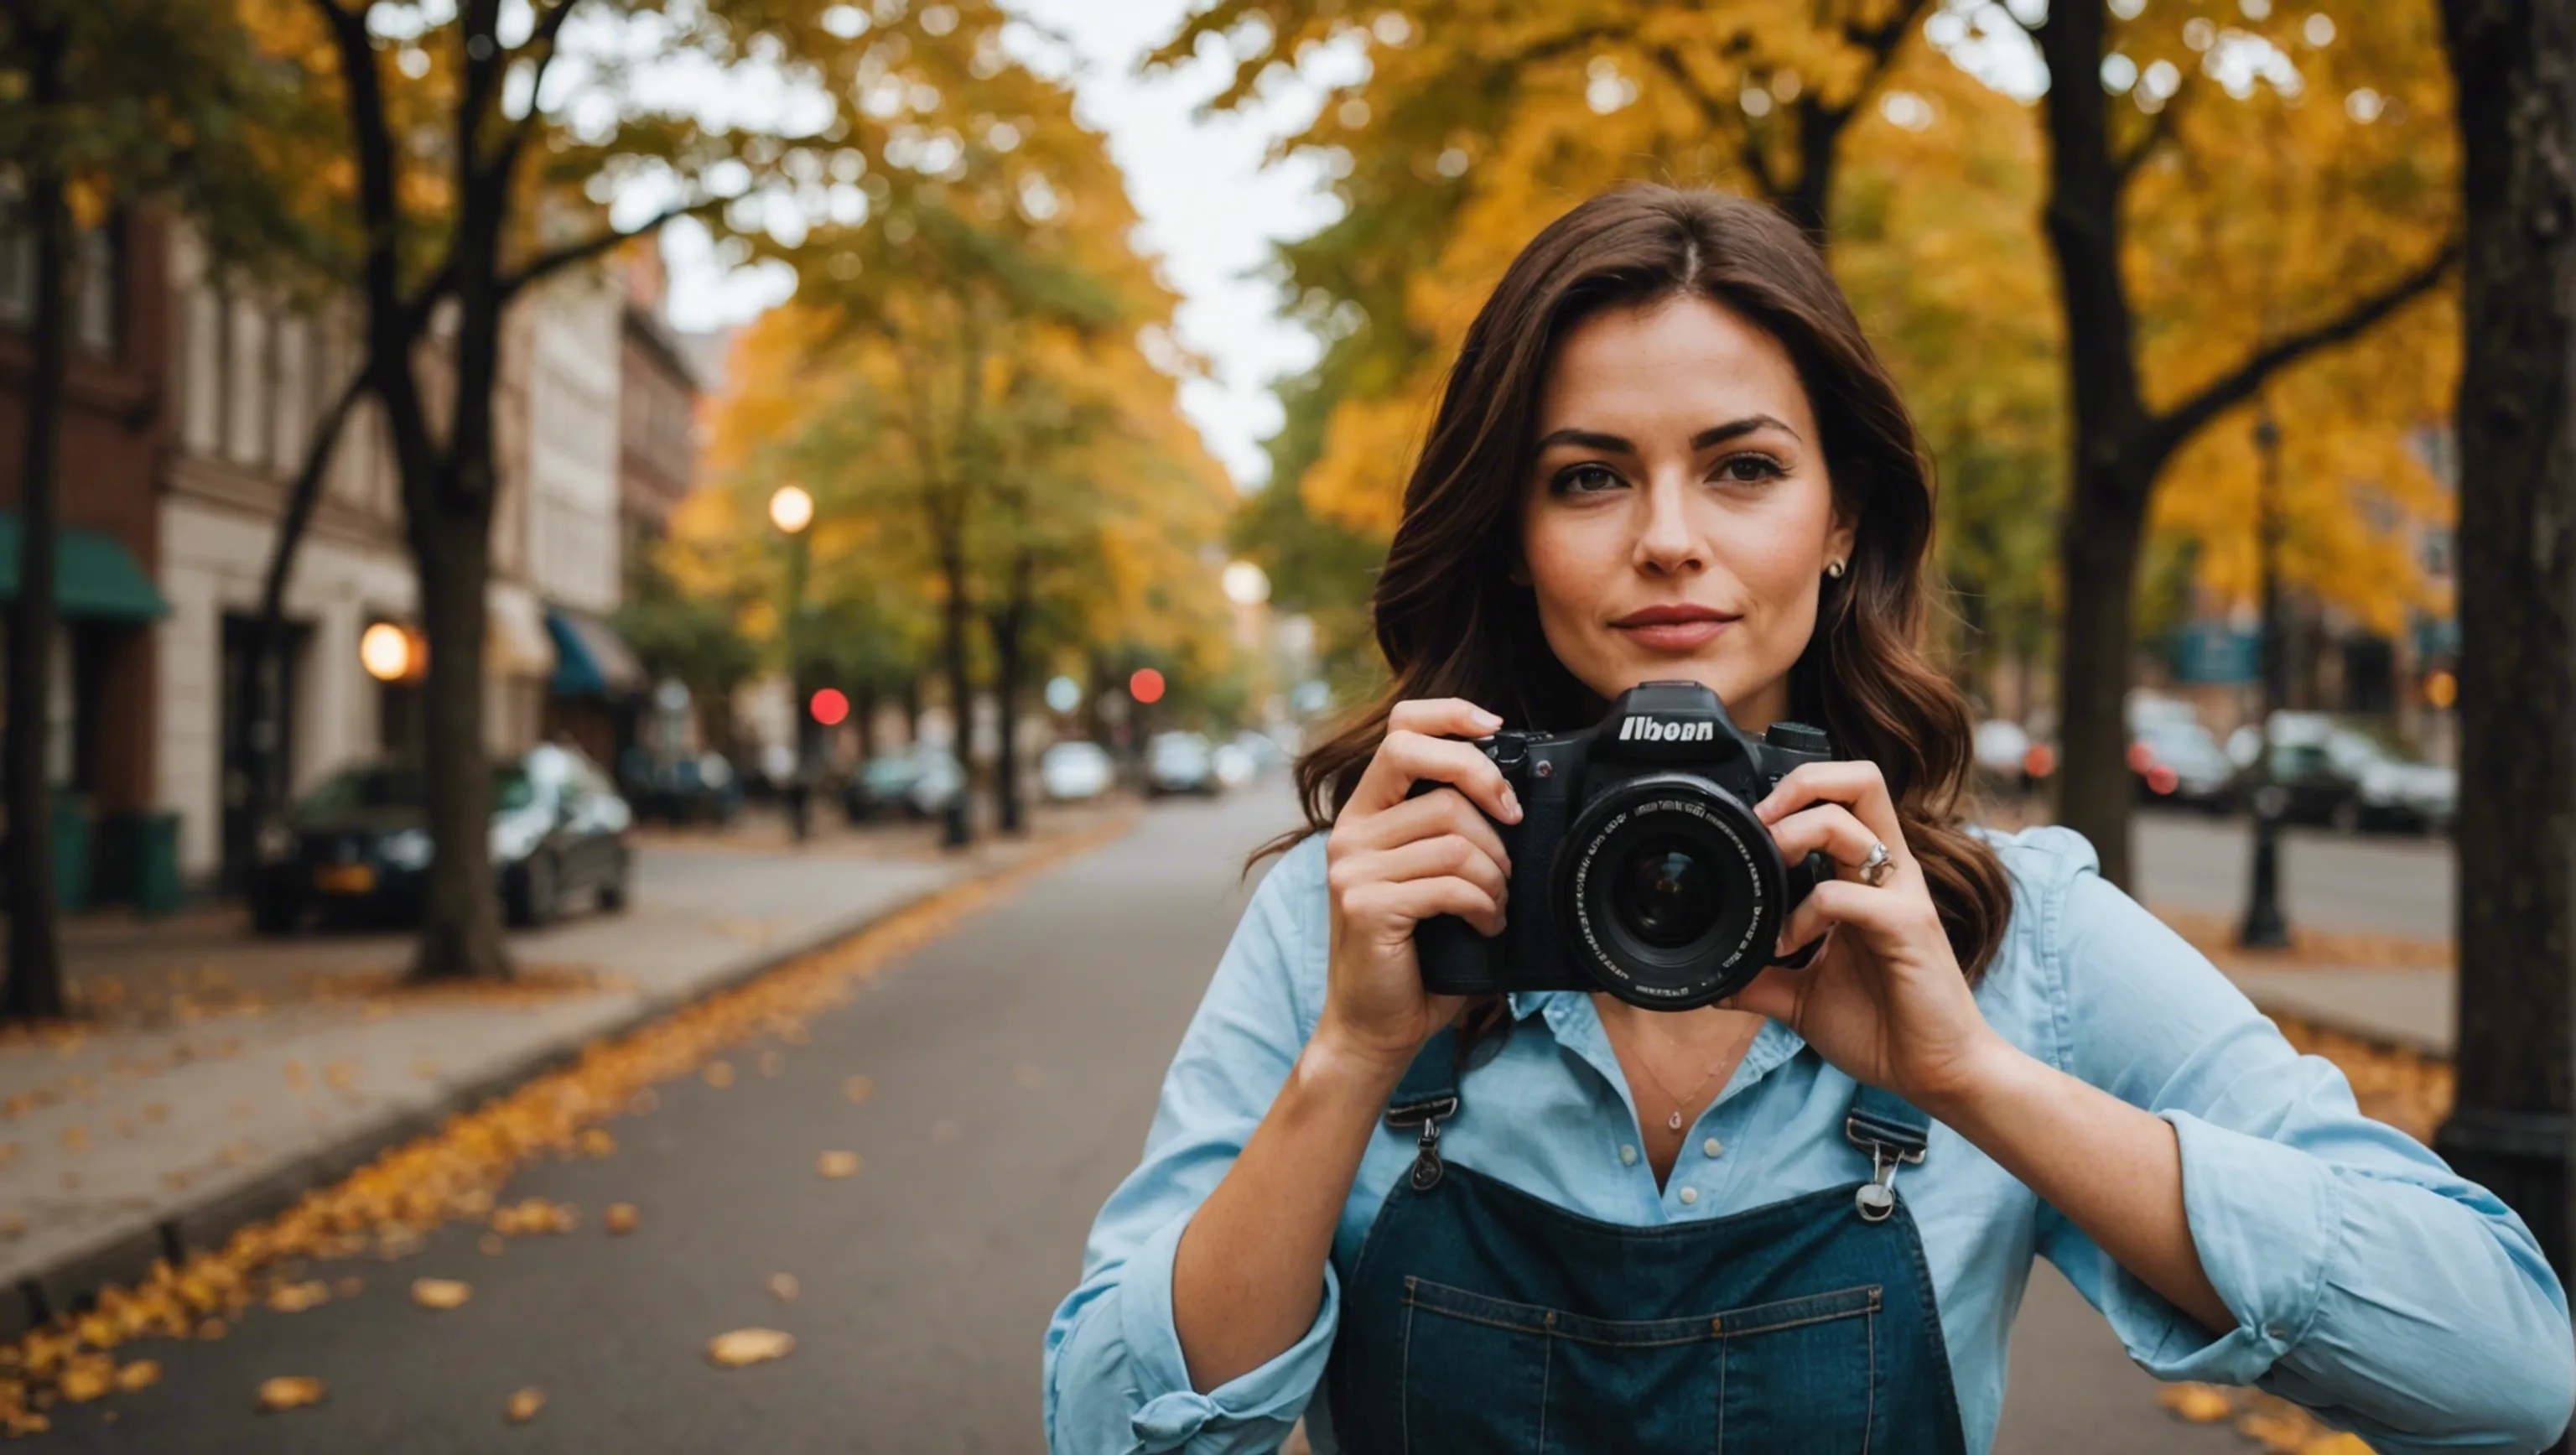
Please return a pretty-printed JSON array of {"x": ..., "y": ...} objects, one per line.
[
  {"x": 1429, "y": 1114},
  {"x": 1876, "y": 1198}
]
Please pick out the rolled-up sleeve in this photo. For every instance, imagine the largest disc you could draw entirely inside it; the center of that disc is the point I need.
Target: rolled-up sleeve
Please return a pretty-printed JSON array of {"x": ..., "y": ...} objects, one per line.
[
  {"x": 1114, "y": 1373},
  {"x": 2369, "y": 1282}
]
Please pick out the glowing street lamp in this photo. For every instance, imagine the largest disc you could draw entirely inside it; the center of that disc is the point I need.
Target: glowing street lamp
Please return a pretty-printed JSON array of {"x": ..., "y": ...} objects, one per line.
[
  {"x": 384, "y": 649},
  {"x": 791, "y": 509}
]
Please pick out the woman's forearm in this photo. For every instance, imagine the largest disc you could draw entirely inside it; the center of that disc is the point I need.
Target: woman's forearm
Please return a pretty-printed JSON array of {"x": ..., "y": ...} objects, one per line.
[
  {"x": 2113, "y": 1170},
  {"x": 1249, "y": 1272}
]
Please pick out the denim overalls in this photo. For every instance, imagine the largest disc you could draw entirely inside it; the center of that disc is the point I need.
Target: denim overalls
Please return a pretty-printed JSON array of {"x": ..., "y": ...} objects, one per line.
[{"x": 1481, "y": 1319}]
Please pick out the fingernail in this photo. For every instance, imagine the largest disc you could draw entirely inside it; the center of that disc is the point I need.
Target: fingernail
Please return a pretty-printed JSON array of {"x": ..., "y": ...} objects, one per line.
[
  {"x": 1511, "y": 804},
  {"x": 1488, "y": 719}
]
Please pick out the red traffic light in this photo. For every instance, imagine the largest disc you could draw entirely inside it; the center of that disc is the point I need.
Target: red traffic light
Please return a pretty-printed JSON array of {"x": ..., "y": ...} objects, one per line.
[
  {"x": 1146, "y": 685},
  {"x": 830, "y": 706}
]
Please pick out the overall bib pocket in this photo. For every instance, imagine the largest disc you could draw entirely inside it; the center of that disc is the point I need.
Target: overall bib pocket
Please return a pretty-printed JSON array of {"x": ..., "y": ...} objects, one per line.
[{"x": 1483, "y": 1373}]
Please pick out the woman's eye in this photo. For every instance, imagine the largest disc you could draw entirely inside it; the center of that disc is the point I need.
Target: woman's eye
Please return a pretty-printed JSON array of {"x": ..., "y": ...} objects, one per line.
[
  {"x": 1749, "y": 469},
  {"x": 1587, "y": 480}
]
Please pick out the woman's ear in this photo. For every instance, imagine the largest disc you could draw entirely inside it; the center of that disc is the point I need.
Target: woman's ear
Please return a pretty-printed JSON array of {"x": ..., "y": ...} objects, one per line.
[{"x": 1841, "y": 535}]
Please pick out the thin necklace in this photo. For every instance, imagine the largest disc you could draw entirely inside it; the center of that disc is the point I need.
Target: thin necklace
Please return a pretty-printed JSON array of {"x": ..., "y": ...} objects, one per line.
[{"x": 1674, "y": 1121}]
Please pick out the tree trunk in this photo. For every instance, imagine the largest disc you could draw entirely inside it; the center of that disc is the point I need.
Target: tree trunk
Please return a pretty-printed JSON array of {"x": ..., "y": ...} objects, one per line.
[
  {"x": 2094, "y": 794},
  {"x": 956, "y": 612},
  {"x": 1009, "y": 629},
  {"x": 460, "y": 935},
  {"x": 34, "y": 987},
  {"x": 863, "y": 715},
  {"x": 2107, "y": 475},
  {"x": 2517, "y": 603},
  {"x": 265, "y": 725}
]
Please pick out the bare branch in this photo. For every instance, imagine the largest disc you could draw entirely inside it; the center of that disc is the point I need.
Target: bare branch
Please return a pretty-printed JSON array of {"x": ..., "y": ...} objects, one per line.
[
  {"x": 2160, "y": 130},
  {"x": 2166, "y": 432},
  {"x": 546, "y": 265},
  {"x": 543, "y": 43}
]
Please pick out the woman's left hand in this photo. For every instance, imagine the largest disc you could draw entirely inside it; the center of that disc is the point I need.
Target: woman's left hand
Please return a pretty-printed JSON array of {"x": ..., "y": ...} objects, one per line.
[{"x": 1883, "y": 999}]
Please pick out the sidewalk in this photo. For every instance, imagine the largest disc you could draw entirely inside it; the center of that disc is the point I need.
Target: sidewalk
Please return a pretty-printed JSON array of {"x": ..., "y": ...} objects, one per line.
[{"x": 217, "y": 1075}]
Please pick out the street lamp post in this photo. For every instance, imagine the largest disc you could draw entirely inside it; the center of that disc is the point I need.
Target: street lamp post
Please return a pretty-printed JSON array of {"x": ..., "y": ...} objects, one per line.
[
  {"x": 791, "y": 510},
  {"x": 2264, "y": 927}
]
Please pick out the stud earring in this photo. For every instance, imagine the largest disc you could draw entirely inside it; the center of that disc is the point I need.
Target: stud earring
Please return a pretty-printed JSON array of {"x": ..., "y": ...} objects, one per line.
[{"x": 1834, "y": 569}]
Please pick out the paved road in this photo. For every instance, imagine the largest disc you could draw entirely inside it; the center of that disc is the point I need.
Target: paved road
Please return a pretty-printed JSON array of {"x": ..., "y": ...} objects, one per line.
[
  {"x": 1015, "y": 1064},
  {"x": 2389, "y": 883}
]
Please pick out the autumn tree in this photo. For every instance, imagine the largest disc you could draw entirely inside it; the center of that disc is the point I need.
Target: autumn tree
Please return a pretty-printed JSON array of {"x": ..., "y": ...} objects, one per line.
[
  {"x": 106, "y": 106},
  {"x": 2517, "y": 433},
  {"x": 490, "y": 148},
  {"x": 2155, "y": 189}
]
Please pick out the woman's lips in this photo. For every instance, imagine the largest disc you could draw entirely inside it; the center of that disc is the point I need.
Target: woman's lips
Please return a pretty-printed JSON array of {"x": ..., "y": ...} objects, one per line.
[{"x": 1667, "y": 630}]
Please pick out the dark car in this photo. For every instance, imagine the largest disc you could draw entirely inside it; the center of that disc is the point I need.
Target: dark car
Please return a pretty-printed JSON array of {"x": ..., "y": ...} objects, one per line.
[
  {"x": 685, "y": 788},
  {"x": 358, "y": 846},
  {"x": 2180, "y": 763}
]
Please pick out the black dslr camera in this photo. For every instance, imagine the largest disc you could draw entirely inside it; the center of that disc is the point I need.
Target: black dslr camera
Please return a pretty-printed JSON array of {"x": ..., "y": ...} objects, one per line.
[{"x": 1638, "y": 866}]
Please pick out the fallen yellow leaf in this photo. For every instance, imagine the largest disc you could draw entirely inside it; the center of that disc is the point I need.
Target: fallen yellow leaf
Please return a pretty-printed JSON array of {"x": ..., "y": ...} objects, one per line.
[
  {"x": 490, "y": 1243},
  {"x": 287, "y": 1392},
  {"x": 597, "y": 1143},
  {"x": 137, "y": 1375},
  {"x": 837, "y": 1164},
  {"x": 86, "y": 1378},
  {"x": 859, "y": 1088},
  {"x": 784, "y": 1285},
  {"x": 211, "y": 1329},
  {"x": 749, "y": 1346},
  {"x": 295, "y": 1298},
  {"x": 619, "y": 1218},
  {"x": 349, "y": 1287},
  {"x": 524, "y": 1405},
  {"x": 440, "y": 1292},
  {"x": 718, "y": 1073},
  {"x": 2199, "y": 1403}
]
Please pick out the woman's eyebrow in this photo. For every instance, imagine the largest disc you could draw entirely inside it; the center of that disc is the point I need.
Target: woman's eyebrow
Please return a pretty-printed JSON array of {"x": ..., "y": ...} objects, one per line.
[
  {"x": 1705, "y": 439},
  {"x": 1720, "y": 434}
]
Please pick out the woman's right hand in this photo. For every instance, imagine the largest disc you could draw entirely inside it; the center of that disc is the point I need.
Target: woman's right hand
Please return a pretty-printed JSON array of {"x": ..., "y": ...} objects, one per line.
[{"x": 1398, "y": 859}]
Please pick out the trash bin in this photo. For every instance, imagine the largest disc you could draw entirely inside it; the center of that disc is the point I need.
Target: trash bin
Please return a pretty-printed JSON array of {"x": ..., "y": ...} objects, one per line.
[
  {"x": 72, "y": 858},
  {"x": 138, "y": 862}
]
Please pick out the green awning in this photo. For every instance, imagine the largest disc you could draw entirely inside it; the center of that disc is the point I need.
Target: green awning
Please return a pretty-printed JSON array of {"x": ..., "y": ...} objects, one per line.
[{"x": 95, "y": 577}]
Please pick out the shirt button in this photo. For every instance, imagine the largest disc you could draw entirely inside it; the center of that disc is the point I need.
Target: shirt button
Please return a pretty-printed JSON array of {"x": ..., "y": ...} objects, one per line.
[
  {"x": 1712, "y": 1146},
  {"x": 1689, "y": 1195},
  {"x": 1627, "y": 1156}
]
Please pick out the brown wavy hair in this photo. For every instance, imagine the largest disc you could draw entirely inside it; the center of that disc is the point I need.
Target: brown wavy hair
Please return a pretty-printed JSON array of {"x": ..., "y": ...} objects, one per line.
[{"x": 1451, "y": 622}]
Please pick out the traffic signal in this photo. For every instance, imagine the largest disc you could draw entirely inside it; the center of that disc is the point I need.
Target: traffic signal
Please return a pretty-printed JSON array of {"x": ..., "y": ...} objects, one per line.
[
  {"x": 1146, "y": 686},
  {"x": 830, "y": 706}
]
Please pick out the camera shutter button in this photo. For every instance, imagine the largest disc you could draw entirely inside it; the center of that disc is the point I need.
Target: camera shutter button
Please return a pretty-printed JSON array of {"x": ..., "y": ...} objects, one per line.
[{"x": 1798, "y": 737}]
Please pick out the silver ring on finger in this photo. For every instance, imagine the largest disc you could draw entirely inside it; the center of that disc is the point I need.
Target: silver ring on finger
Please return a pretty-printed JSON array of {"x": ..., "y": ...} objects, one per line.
[{"x": 1875, "y": 866}]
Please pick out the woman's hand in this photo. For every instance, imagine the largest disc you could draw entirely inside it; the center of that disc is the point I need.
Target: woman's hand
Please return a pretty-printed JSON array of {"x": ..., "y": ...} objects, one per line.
[
  {"x": 1397, "y": 860},
  {"x": 1883, "y": 999}
]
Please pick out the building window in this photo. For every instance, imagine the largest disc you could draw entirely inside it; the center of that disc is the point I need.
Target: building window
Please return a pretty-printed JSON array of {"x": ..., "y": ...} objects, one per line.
[{"x": 96, "y": 265}]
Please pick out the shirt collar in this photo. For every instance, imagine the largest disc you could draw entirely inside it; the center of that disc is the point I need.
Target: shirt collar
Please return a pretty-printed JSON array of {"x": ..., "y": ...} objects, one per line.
[{"x": 1577, "y": 1026}]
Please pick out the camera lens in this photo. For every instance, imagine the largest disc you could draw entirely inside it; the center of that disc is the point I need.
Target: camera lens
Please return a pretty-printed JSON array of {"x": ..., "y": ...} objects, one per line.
[{"x": 1665, "y": 894}]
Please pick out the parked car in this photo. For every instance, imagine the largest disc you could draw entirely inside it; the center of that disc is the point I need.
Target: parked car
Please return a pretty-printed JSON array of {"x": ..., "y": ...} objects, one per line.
[
  {"x": 2336, "y": 775},
  {"x": 1180, "y": 763},
  {"x": 1075, "y": 772},
  {"x": 1234, "y": 765},
  {"x": 918, "y": 782},
  {"x": 683, "y": 789},
  {"x": 2181, "y": 763},
  {"x": 2009, "y": 760},
  {"x": 358, "y": 846}
]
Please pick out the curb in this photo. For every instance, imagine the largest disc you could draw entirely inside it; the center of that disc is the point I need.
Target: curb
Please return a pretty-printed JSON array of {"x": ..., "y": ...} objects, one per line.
[{"x": 72, "y": 1281}]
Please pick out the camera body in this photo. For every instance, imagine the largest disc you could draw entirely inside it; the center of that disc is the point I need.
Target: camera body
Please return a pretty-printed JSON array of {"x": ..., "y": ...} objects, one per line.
[{"x": 1638, "y": 866}]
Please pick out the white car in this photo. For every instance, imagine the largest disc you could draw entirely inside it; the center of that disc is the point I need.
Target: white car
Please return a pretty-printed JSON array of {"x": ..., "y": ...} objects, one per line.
[
  {"x": 1180, "y": 763},
  {"x": 1075, "y": 772}
]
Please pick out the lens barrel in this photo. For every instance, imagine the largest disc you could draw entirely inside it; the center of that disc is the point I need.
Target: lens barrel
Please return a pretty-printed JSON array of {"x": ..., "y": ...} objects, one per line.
[{"x": 1670, "y": 890}]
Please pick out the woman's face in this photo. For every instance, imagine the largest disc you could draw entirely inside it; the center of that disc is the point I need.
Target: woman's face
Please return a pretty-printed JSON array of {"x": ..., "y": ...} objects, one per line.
[{"x": 1678, "y": 520}]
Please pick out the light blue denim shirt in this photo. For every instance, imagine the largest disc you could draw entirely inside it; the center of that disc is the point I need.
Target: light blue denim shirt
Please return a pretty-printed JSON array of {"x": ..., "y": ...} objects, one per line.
[{"x": 2369, "y": 1282}]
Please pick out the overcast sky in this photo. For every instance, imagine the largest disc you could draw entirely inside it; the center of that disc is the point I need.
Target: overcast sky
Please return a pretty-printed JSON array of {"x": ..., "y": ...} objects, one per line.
[{"x": 1211, "y": 212}]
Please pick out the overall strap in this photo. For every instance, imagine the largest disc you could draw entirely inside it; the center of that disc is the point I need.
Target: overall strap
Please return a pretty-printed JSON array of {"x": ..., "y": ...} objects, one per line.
[
  {"x": 1426, "y": 1097},
  {"x": 1892, "y": 1132}
]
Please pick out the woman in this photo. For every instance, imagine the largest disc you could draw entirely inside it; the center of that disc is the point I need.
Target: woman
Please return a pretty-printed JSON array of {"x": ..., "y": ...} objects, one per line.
[{"x": 1666, "y": 452}]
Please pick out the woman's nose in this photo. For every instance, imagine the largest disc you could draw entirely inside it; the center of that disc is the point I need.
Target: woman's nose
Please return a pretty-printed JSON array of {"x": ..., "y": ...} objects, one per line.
[{"x": 1667, "y": 542}]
